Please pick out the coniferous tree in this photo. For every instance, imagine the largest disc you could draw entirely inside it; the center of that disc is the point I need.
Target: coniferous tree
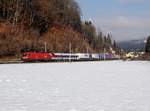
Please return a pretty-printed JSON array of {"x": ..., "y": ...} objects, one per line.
[
  {"x": 114, "y": 45},
  {"x": 147, "y": 47},
  {"x": 109, "y": 39},
  {"x": 89, "y": 32}
]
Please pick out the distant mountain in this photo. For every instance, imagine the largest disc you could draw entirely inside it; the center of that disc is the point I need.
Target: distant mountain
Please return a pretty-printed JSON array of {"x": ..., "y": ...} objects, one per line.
[{"x": 132, "y": 45}]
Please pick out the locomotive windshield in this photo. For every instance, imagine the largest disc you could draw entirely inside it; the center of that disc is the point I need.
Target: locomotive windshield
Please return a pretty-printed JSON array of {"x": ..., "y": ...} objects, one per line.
[{"x": 24, "y": 54}]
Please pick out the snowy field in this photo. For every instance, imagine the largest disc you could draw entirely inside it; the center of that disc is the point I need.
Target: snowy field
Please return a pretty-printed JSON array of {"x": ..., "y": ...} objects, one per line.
[{"x": 89, "y": 86}]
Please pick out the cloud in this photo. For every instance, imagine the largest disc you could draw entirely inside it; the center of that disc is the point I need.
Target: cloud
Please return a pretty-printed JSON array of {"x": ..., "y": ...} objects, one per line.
[
  {"x": 130, "y": 22},
  {"x": 130, "y": 1},
  {"x": 124, "y": 27}
]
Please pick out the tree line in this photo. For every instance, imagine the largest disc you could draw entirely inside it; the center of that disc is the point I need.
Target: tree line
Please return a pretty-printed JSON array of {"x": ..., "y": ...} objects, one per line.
[
  {"x": 97, "y": 40},
  {"x": 147, "y": 47},
  {"x": 25, "y": 25}
]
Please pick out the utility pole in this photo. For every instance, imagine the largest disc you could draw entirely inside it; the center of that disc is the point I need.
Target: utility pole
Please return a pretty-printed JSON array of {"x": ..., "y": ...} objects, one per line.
[
  {"x": 104, "y": 54},
  {"x": 70, "y": 52},
  {"x": 87, "y": 50},
  {"x": 45, "y": 44}
]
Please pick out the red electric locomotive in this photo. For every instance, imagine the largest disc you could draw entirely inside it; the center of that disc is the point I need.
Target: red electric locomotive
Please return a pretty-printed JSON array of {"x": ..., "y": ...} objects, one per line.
[{"x": 37, "y": 56}]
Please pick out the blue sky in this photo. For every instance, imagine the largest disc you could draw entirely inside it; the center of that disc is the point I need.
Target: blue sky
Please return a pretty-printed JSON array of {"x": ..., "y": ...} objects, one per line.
[{"x": 125, "y": 19}]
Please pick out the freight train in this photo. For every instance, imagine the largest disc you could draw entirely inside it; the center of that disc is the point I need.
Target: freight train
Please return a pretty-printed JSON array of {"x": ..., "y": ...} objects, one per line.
[{"x": 43, "y": 56}]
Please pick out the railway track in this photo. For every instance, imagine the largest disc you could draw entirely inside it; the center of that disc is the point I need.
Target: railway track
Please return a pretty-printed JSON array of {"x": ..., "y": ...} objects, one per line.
[
  {"x": 22, "y": 62},
  {"x": 12, "y": 61}
]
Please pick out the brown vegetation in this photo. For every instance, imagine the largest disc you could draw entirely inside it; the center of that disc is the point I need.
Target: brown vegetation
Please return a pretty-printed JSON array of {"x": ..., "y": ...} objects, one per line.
[{"x": 26, "y": 25}]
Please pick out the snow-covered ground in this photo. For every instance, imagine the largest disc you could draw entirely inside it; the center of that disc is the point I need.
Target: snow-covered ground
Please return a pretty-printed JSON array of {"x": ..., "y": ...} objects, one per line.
[{"x": 89, "y": 86}]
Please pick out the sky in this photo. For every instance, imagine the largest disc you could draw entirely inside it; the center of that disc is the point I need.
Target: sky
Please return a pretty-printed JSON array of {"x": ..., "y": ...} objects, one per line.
[{"x": 124, "y": 19}]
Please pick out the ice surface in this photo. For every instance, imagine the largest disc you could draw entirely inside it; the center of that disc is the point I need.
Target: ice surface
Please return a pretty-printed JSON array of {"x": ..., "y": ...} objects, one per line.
[{"x": 85, "y": 86}]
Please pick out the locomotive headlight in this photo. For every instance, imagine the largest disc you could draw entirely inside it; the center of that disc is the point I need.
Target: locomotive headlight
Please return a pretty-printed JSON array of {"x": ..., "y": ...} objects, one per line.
[{"x": 25, "y": 57}]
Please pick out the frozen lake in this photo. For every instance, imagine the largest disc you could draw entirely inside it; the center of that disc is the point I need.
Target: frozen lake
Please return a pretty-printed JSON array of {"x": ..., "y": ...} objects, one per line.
[{"x": 89, "y": 86}]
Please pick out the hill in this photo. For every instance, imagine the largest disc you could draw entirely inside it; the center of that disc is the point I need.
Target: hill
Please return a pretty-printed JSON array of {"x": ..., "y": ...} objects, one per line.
[
  {"x": 26, "y": 25},
  {"x": 132, "y": 45}
]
